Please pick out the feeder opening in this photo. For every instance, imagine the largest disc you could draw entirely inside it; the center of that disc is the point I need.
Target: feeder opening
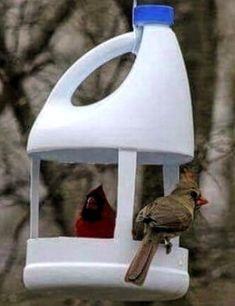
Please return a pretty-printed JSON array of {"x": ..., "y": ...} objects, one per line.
[
  {"x": 152, "y": 175},
  {"x": 103, "y": 81},
  {"x": 80, "y": 200}
]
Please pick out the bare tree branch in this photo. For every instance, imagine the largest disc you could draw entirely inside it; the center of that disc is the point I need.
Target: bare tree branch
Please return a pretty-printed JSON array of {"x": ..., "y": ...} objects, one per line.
[
  {"x": 3, "y": 8},
  {"x": 62, "y": 12},
  {"x": 126, "y": 9},
  {"x": 38, "y": 64},
  {"x": 20, "y": 105},
  {"x": 20, "y": 22},
  {"x": 14, "y": 248}
]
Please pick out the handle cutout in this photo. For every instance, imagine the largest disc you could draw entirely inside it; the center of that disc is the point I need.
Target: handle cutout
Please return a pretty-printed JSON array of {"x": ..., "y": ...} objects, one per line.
[{"x": 103, "y": 81}]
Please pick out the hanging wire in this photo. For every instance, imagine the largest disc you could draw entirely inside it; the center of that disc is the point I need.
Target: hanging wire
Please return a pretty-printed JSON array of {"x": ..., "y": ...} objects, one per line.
[
  {"x": 133, "y": 9},
  {"x": 137, "y": 30}
]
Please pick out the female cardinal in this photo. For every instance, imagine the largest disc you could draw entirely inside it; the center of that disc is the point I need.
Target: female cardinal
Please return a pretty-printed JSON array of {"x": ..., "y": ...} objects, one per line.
[
  {"x": 97, "y": 218},
  {"x": 164, "y": 219}
]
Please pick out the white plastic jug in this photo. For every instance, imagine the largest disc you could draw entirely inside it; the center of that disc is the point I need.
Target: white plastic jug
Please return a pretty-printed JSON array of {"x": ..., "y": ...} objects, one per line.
[
  {"x": 150, "y": 112},
  {"x": 147, "y": 120}
]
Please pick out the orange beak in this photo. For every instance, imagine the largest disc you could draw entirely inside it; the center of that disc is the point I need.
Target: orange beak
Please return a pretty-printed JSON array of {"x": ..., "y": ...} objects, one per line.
[{"x": 202, "y": 201}]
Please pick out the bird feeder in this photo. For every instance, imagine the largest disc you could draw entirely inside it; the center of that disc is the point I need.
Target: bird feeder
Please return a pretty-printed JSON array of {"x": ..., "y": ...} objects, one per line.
[{"x": 147, "y": 120}]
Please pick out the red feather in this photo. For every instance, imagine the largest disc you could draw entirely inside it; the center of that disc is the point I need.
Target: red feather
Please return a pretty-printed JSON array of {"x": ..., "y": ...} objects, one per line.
[{"x": 105, "y": 225}]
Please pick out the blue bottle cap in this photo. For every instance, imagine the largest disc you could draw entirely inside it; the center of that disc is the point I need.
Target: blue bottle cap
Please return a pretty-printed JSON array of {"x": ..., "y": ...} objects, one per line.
[{"x": 149, "y": 14}]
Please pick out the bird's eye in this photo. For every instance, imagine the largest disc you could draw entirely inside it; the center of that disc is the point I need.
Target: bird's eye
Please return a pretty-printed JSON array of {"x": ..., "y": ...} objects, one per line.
[{"x": 194, "y": 195}]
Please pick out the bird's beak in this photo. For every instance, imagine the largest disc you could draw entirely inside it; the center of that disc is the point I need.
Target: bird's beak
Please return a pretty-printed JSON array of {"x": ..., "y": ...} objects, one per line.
[
  {"x": 91, "y": 203},
  {"x": 202, "y": 201}
]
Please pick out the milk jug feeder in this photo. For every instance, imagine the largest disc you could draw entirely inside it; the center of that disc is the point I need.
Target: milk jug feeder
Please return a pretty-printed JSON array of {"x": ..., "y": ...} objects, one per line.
[{"x": 147, "y": 120}]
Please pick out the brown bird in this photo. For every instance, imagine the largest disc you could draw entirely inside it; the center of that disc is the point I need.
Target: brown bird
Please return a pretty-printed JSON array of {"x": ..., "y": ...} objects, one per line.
[
  {"x": 97, "y": 217},
  {"x": 163, "y": 219}
]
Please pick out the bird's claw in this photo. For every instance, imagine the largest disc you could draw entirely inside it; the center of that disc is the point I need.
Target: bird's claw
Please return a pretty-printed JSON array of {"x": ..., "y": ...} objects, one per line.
[{"x": 168, "y": 246}]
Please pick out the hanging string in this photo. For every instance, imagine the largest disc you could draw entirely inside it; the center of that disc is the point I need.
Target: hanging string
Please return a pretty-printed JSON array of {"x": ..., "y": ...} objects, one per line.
[{"x": 133, "y": 8}]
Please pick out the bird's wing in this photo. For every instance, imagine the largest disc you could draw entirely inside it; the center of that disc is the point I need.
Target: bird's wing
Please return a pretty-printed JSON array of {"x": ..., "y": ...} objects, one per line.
[
  {"x": 145, "y": 210},
  {"x": 166, "y": 215}
]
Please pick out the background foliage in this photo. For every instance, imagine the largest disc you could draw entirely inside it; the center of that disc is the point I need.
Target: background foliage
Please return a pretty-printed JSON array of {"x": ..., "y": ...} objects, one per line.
[{"x": 39, "y": 40}]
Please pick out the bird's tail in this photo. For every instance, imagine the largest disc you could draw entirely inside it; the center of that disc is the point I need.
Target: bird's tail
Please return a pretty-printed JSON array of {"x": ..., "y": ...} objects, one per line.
[{"x": 139, "y": 266}]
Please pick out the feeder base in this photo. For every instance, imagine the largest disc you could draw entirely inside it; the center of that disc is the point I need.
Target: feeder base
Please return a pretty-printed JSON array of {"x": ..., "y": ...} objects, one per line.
[{"x": 95, "y": 269}]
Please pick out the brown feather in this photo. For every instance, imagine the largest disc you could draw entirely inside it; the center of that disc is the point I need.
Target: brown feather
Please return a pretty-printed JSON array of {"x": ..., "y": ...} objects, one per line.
[
  {"x": 167, "y": 213},
  {"x": 140, "y": 264},
  {"x": 165, "y": 218}
]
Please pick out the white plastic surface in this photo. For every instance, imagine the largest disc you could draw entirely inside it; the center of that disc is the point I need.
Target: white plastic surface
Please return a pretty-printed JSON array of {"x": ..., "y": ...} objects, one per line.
[
  {"x": 34, "y": 198},
  {"x": 95, "y": 268},
  {"x": 147, "y": 120},
  {"x": 149, "y": 113},
  {"x": 68, "y": 263},
  {"x": 126, "y": 195}
]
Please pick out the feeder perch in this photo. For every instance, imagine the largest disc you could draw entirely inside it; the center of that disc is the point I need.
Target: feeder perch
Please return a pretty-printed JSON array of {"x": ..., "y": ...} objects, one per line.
[{"x": 147, "y": 120}]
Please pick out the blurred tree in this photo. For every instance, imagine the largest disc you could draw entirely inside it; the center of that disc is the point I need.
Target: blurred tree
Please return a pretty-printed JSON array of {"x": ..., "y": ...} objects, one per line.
[
  {"x": 39, "y": 40},
  {"x": 219, "y": 179}
]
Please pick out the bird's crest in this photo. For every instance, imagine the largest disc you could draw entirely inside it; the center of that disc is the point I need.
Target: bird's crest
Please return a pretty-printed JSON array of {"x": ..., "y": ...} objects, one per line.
[
  {"x": 188, "y": 179},
  {"x": 188, "y": 175},
  {"x": 97, "y": 191}
]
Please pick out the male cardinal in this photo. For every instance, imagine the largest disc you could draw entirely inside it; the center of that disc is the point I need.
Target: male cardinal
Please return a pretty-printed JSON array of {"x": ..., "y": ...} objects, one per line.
[
  {"x": 163, "y": 219},
  {"x": 97, "y": 217}
]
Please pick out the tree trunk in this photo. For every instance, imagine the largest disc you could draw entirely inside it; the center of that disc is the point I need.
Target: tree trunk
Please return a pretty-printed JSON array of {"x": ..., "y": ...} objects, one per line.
[{"x": 217, "y": 178}]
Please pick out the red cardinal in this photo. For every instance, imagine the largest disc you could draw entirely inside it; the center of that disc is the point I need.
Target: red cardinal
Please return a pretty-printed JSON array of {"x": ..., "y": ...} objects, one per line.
[{"x": 97, "y": 217}]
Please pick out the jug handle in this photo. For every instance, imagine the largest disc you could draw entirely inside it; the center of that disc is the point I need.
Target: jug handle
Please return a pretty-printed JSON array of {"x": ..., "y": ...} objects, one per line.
[{"x": 83, "y": 67}]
